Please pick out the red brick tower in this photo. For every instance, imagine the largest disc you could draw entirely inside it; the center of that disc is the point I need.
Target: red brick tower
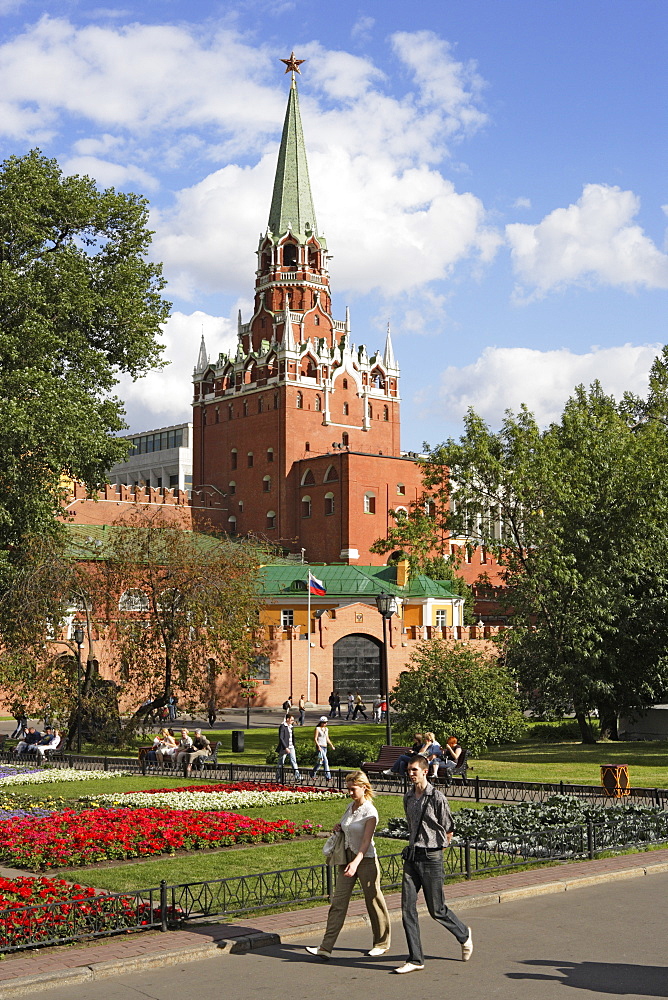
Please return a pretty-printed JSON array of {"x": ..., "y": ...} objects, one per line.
[{"x": 296, "y": 437}]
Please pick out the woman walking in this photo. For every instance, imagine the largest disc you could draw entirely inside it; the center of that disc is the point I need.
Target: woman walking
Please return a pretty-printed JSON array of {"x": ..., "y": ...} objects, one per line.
[
  {"x": 358, "y": 824},
  {"x": 322, "y": 741}
]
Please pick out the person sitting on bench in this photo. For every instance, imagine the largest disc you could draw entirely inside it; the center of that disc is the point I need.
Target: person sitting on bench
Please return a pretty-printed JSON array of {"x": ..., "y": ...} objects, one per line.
[
  {"x": 449, "y": 757},
  {"x": 400, "y": 764}
]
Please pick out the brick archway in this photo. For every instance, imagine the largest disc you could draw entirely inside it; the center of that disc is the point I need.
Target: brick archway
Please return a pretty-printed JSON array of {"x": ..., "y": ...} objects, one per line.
[{"x": 357, "y": 666}]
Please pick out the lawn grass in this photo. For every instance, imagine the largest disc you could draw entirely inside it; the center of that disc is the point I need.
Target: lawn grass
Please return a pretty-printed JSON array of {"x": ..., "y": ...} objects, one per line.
[{"x": 575, "y": 763}]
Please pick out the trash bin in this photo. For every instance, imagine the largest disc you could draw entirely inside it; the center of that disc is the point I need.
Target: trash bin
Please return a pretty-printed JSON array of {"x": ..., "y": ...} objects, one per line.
[
  {"x": 237, "y": 741},
  {"x": 615, "y": 779}
]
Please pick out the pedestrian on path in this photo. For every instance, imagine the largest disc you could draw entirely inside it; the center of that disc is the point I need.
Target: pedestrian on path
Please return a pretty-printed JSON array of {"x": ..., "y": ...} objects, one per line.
[
  {"x": 358, "y": 824},
  {"x": 351, "y": 705},
  {"x": 359, "y": 706},
  {"x": 286, "y": 748},
  {"x": 302, "y": 709},
  {"x": 430, "y": 826},
  {"x": 322, "y": 741}
]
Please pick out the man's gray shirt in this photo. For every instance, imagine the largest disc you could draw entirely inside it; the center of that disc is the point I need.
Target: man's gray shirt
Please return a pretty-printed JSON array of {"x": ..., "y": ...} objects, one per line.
[{"x": 436, "y": 822}]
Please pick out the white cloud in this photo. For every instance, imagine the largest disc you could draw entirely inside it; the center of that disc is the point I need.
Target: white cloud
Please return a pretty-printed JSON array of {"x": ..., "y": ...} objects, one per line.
[
  {"x": 361, "y": 29},
  {"x": 110, "y": 174},
  {"x": 594, "y": 240},
  {"x": 522, "y": 203},
  {"x": 165, "y": 396},
  {"x": 502, "y": 378}
]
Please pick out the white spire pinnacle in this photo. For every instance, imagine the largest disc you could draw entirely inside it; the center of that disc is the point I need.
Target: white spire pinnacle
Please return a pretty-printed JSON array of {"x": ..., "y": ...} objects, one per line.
[
  {"x": 388, "y": 355},
  {"x": 202, "y": 358}
]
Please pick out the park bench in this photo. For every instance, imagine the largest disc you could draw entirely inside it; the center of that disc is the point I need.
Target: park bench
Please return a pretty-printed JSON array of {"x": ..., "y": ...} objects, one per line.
[
  {"x": 459, "y": 771},
  {"x": 386, "y": 758}
]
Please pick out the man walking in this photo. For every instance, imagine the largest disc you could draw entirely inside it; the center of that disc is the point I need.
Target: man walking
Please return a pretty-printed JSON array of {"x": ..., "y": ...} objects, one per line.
[
  {"x": 286, "y": 748},
  {"x": 430, "y": 825}
]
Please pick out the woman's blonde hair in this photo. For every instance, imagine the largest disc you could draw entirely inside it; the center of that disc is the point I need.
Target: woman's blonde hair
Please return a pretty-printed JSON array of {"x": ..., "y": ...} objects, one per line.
[
  {"x": 360, "y": 778},
  {"x": 430, "y": 737}
]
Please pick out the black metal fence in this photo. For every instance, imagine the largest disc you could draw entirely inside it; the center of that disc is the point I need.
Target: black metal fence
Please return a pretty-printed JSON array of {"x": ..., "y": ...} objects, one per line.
[{"x": 168, "y": 906}]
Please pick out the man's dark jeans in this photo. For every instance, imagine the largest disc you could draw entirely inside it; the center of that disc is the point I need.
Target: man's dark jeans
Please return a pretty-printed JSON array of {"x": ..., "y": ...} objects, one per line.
[{"x": 426, "y": 873}]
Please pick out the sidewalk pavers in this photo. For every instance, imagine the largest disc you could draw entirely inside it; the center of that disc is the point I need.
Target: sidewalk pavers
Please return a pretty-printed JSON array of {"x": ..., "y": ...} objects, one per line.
[{"x": 22, "y": 974}]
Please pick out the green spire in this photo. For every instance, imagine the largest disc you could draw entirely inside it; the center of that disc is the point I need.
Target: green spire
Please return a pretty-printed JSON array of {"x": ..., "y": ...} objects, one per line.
[{"x": 291, "y": 203}]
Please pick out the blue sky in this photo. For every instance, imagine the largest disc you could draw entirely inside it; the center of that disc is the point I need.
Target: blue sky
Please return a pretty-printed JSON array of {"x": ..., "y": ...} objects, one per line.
[{"x": 491, "y": 176}]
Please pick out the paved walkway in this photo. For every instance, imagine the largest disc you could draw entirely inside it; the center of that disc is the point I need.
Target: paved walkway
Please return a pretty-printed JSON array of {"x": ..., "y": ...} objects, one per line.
[{"x": 22, "y": 974}]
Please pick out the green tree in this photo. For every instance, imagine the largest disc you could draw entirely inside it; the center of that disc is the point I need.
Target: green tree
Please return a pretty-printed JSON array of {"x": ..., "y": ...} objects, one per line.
[
  {"x": 454, "y": 690},
  {"x": 576, "y": 516},
  {"x": 79, "y": 304},
  {"x": 182, "y": 607}
]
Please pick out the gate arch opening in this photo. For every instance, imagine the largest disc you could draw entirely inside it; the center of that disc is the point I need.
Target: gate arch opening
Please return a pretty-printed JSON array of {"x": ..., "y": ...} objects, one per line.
[{"x": 358, "y": 666}]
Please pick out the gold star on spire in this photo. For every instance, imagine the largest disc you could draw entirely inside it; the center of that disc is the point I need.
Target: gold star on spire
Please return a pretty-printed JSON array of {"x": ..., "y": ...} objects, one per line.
[{"x": 292, "y": 64}]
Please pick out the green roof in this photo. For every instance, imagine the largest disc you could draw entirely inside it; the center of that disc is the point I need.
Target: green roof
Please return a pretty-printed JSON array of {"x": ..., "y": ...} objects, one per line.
[
  {"x": 352, "y": 581},
  {"x": 291, "y": 203}
]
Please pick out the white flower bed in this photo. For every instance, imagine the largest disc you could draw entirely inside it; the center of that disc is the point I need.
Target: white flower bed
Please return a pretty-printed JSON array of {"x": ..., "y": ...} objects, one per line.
[
  {"x": 49, "y": 775},
  {"x": 210, "y": 801}
]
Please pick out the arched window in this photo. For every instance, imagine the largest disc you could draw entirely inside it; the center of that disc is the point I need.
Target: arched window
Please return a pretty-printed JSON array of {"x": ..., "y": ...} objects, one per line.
[
  {"x": 316, "y": 321},
  {"x": 260, "y": 404},
  {"x": 331, "y": 476},
  {"x": 345, "y": 383},
  {"x": 133, "y": 600},
  {"x": 271, "y": 519},
  {"x": 307, "y": 446},
  {"x": 217, "y": 415},
  {"x": 230, "y": 411},
  {"x": 306, "y": 506},
  {"x": 300, "y": 401},
  {"x": 233, "y": 458},
  {"x": 245, "y": 407},
  {"x": 232, "y": 488},
  {"x": 232, "y": 525},
  {"x": 430, "y": 508},
  {"x": 329, "y": 503},
  {"x": 318, "y": 403},
  {"x": 308, "y": 479},
  {"x": 204, "y": 416},
  {"x": 289, "y": 255},
  {"x": 270, "y": 454},
  {"x": 266, "y": 484},
  {"x": 346, "y": 409},
  {"x": 386, "y": 413},
  {"x": 369, "y": 503},
  {"x": 345, "y": 439},
  {"x": 370, "y": 412},
  {"x": 275, "y": 400},
  {"x": 249, "y": 459}
]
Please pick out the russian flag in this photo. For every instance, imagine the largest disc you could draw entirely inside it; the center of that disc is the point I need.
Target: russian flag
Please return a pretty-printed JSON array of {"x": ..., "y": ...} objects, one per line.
[{"x": 315, "y": 585}]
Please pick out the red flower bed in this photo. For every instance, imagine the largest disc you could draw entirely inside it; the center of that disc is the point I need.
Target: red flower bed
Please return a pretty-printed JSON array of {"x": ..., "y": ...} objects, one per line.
[
  {"x": 35, "y": 911},
  {"x": 237, "y": 786},
  {"x": 82, "y": 838}
]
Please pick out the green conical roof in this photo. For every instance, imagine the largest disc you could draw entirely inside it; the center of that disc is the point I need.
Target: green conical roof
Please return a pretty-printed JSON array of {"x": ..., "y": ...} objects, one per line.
[{"x": 291, "y": 203}]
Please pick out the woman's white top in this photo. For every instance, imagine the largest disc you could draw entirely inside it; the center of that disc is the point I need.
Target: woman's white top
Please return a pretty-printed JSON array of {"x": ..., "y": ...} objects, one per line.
[
  {"x": 321, "y": 737},
  {"x": 353, "y": 824}
]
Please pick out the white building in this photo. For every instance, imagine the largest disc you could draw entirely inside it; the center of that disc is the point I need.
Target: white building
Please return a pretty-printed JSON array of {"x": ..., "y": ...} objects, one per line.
[{"x": 161, "y": 458}]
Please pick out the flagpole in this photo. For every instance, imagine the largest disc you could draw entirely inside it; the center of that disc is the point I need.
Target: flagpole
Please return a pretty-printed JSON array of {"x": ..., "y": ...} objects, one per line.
[{"x": 308, "y": 636}]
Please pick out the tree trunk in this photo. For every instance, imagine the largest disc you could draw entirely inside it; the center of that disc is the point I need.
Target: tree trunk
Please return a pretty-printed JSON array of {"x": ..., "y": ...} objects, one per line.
[
  {"x": 608, "y": 721},
  {"x": 586, "y": 731}
]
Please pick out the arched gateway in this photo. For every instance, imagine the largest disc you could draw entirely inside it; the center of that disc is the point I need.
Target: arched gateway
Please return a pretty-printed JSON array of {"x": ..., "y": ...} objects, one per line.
[{"x": 358, "y": 666}]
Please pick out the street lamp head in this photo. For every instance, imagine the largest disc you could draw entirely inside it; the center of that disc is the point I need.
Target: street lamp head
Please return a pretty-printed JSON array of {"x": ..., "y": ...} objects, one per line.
[
  {"x": 386, "y": 604},
  {"x": 78, "y": 635}
]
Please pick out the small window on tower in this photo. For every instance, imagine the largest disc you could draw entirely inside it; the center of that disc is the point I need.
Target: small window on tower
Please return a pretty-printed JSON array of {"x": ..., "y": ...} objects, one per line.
[
  {"x": 232, "y": 488},
  {"x": 401, "y": 490},
  {"x": 271, "y": 519},
  {"x": 369, "y": 503},
  {"x": 266, "y": 484},
  {"x": 370, "y": 412},
  {"x": 233, "y": 458},
  {"x": 344, "y": 439},
  {"x": 290, "y": 255},
  {"x": 316, "y": 321},
  {"x": 346, "y": 409},
  {"x": 318, "y": 403},
  {"x": 329, "y": 503},
  {"x": 307, "y": 446},
  {"x": 270, "y": 454},
  {"x": 232, "y": 525},
  {"x": 306, "y": 506},
  {"x": 386, "y": 413},
  {"x": 275, "y": 400},
  {"x": 345, "y": 383},
  {"x": 260, "y": 404},
  {"x": 230, "y": 411},
  {"x": 300, "y": 401},
  {"x": 245, "y": 407},
  {"x": 250, "y": 459}
]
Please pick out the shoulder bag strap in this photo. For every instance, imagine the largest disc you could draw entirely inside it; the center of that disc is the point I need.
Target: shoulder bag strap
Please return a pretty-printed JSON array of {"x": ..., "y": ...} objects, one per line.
[{"x": 419, "y": 826}]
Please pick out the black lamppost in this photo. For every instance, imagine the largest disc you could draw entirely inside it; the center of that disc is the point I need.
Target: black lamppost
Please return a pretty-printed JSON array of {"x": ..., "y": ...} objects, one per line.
[
  {"x": 387, "y": 606},
  {"x": 79, "y": 638}
]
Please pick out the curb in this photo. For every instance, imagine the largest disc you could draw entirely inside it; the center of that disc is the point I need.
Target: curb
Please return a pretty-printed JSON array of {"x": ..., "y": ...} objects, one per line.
[{"x": 264, "y": 939}]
